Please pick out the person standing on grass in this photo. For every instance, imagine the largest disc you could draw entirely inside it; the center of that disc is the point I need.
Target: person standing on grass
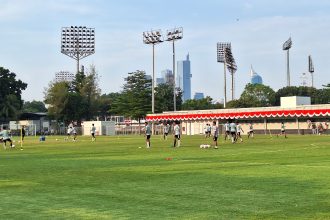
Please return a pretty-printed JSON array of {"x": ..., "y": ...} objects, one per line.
[
  {"x": 283, "y": 130},
  {"x": 239, "y": 130},
  {"x": 227, "y": 130},
  {"x": 147, "y": 134},
  {"x": 93, "y": 131},
  {"x": 74, "y": 133},
  {"x": 6, "y": 138},
  {"x": 250, "y": 133},
  {"x": 215, "y": 134},
  {"x": 177, "y": 134},
  {"x": 232, "y": 127},
  {"x": 166, "y": 129}
]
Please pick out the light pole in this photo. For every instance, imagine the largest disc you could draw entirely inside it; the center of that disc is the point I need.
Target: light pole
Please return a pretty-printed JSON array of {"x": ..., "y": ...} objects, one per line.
[
  {"x": 153, "y": 37},
  {"x": 232, "y": 67},
  {"x": 173, "y": 35},
  {"x": 78, "y": 42},
  {"x": 311, "y": 68},
  {"x": 286, "y": 46},
  {"x": 221, "y": 59}
]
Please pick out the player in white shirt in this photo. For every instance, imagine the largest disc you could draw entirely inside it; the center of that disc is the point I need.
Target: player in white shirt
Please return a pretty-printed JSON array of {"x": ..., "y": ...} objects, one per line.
[
  {"x": 227, "y": 130},
  {"x": 215, "y": 134},
  {"x": 93, "y": 131},
  {"x": 147, "y": 130},
  {"x": 166, "y": 129},
  {"x": 238, "y": 131},
  {"x": 177, "y": 134},
  {"x": 250, "y": 133},
  {"x": 232, "y": 127},
  {"x": 68, "y": 133},
  {"x": 74, "y": 133}
]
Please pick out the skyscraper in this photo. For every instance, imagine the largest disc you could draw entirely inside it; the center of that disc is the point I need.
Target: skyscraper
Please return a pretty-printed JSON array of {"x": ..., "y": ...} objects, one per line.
[
  {"x": 167, "y": 75},
  {"x": 183, "y": 78},
  {"x": 64, "y": 76},
  {"x": 255, "y": 77}
]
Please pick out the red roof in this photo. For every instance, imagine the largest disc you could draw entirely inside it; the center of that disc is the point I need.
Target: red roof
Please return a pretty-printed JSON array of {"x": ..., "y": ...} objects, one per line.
[{"x": 240, "y": 115}]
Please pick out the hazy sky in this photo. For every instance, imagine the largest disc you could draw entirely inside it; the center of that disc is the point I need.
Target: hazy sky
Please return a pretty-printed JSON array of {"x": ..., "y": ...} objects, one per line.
[{"x": 31, "y": 30}]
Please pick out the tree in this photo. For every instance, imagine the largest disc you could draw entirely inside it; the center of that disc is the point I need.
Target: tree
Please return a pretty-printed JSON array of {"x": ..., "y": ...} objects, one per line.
[
  {"x": 135, "y": 99},
  {"x": 164, "y": 98},
  {"x": 297, "y": 91},
  {"x": 10, "y": 94},
  {"x": 199, "y": 104},
  {"x": 257, "y": 95},
  {"x": 34, "y": 106}
]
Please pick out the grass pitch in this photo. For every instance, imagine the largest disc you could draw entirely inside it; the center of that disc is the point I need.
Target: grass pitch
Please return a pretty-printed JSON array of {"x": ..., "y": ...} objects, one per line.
[{"x": 113, "y": 178}]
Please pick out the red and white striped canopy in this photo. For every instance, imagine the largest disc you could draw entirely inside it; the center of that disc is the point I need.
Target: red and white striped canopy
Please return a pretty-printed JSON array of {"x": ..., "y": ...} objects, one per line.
[{"x": 240, "y": 115}]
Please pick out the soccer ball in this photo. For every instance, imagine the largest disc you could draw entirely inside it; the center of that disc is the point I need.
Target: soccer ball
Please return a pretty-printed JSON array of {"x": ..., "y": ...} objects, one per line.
[{"x": 56, "y": 139}]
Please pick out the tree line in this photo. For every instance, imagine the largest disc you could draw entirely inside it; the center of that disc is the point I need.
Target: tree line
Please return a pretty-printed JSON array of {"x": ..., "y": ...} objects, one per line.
[{"x": 81, "y": 99}]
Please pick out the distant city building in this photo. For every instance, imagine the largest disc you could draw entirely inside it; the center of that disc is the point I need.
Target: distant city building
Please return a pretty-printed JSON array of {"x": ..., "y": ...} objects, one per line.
[
  {"x": 168, "y": 77},
  {"x": 255, "y": 77},
  {"x": 148, "y": 77},
  {"x": 64, "y": 76},
  {"x": 198, "y": 95},
  {"x": 183, "y": 78},
  {"x": 160, "y": 81}
]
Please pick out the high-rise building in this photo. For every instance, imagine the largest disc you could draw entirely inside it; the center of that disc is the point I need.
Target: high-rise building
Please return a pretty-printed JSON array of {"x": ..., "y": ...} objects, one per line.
[
  {"x": 198, "y": 95},
  {"x": 255, "y": 77},
  {"x": 183, "y": 78},
  {"x": 160, "y": 81},
  {"x": 64, "y": 76},
  {"x": 168, "y": 77}
]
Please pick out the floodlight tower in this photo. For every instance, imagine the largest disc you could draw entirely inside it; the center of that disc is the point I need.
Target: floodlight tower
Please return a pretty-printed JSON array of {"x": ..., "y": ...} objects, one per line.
[
  {"x": 286, "y": 46},
  {"x": 153, "y": 37},
  {"x": 221, "y": 59},
  {"x": 311, "y": 68},
  {"x": 232, "y": 67},
  {"x": 78, "y": 42},
  {"x": 173, "y": 35}
]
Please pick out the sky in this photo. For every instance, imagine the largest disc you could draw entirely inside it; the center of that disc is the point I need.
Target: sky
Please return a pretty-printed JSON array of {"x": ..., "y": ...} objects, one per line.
[{"x": 30, "y": 40}]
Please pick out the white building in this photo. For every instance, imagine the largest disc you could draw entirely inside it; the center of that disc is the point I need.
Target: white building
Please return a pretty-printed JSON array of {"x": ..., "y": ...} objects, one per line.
[{"x": 64, "y": 76}]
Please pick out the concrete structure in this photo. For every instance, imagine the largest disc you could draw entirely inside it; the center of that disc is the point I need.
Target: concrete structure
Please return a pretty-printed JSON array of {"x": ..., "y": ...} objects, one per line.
[
  {"x": 198, "y": 95},
  {"x": 102, "y": 127},
  {"x": 266, "y": 120},
  {"x": 294, "y": 101},
  {"x": 183, "y": 78},
  {"x": 64, "y": 76}
]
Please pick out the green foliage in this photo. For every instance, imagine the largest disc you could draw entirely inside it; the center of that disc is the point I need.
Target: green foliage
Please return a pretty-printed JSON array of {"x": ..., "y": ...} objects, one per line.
[
  {"x": 164, "y": 98},
  {"x": 257, "y": 95},
  {"x": 200, "y": 104},
  {"x": 135, "y": 99},
  {"x": 298, "y": 91},
  {"x": 10, "y": 95},
  {"x": 74, "y": 101},
  {"x": 34, "y": 106}
]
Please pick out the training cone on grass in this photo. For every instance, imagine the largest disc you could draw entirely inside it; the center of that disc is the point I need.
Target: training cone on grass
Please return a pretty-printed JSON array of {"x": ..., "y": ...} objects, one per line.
[{"x": 168, "y": 158}]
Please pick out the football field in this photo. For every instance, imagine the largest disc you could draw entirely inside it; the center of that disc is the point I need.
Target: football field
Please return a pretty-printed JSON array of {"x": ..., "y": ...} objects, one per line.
[{"x": 118, "y": 178}]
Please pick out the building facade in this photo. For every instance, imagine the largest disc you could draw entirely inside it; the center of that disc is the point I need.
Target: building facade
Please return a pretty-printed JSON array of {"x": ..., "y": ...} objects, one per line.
[
  {"x": 198, "y": 95},
  {"x": 64, "y": 76},
  {"x": 255, "y": 77},
  {"x": 183, "y": 78}
]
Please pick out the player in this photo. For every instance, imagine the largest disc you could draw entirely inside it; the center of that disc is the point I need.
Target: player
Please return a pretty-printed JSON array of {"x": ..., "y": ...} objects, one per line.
[
  {"x": 166, "y": 129},
  {"x": 6, "y": 138},
  {"x": 251, "y": 132},
  {"x": 177, "y": 134},
  {"x": 23, "y": 132},
  {"x": 227, "y": 130},
  {"x": 215, "y": 134},
  {"x": 147, "y": 134},
  {"x": 232, "y": 127},
  {"x": 209, "y": 129},
  {"x": 238, "y": 131},
  {"x": 93, "y": 131},
  {"x": 68, "y": 133},
  {"x": 74, "y": 133},
  {"x": 205, "y": 130},
  {"x": 283, "y": 130}
]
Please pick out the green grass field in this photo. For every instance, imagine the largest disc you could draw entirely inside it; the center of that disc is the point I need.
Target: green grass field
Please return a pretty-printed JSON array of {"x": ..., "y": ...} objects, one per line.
[{"x": 113, "y": 178}]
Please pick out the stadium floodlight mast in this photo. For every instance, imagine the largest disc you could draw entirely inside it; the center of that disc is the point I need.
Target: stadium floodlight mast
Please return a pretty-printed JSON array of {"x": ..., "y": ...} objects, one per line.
[
  {"x": 232, "y": 67},
  {"x": 286, "y": 46},
  {"x": 153, "y": 37},
  {"x": 173, "y": 35},
  {"x": 311, "y": 68},
  {"x": 221, "y": 59},
  {"x": 78, "y": 42}
]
